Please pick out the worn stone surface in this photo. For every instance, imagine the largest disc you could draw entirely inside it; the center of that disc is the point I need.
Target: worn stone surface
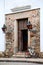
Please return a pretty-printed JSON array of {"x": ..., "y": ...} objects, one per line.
[{"x": 34, "y": 18}]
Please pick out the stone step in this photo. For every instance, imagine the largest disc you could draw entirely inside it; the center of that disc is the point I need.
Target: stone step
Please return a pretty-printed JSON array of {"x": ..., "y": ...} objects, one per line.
[{"x": 21, "y": 54}]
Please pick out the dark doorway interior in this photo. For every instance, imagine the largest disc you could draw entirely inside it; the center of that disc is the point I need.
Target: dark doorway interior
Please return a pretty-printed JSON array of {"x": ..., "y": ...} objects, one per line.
[{"x": 24, "y": 39}]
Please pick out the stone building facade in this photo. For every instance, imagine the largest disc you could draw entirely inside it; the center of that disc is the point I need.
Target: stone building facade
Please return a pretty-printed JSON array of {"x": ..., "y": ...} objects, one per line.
[{"x": 17, "y": 31}]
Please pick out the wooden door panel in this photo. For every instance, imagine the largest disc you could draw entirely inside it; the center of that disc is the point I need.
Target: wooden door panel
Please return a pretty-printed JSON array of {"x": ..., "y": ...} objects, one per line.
[{"x": 21, "y": 25}]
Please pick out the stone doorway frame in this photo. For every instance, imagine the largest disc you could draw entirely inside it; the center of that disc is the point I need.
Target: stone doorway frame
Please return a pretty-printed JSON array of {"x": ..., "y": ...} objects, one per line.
[{"x": 16, "y": 36}]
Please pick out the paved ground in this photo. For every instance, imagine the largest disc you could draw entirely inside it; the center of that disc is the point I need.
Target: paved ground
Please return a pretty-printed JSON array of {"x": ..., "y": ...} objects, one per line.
[
  {"x": 21, "y": 61},
  {"x": 18, "y": 63},
  {"x": 37, "y": 60}
]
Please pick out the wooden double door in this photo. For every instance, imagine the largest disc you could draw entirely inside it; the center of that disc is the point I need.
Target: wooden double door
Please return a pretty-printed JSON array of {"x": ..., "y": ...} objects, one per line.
[{"x": 22, "y": 35}]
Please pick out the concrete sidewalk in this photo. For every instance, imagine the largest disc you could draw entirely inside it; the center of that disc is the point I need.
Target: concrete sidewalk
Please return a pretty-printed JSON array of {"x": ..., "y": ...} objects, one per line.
[{"x": 32, "y": 60}]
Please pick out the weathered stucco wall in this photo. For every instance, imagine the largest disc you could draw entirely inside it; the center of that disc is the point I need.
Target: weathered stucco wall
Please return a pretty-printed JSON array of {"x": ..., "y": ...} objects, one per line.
[{"x": 11, "y": 39}]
